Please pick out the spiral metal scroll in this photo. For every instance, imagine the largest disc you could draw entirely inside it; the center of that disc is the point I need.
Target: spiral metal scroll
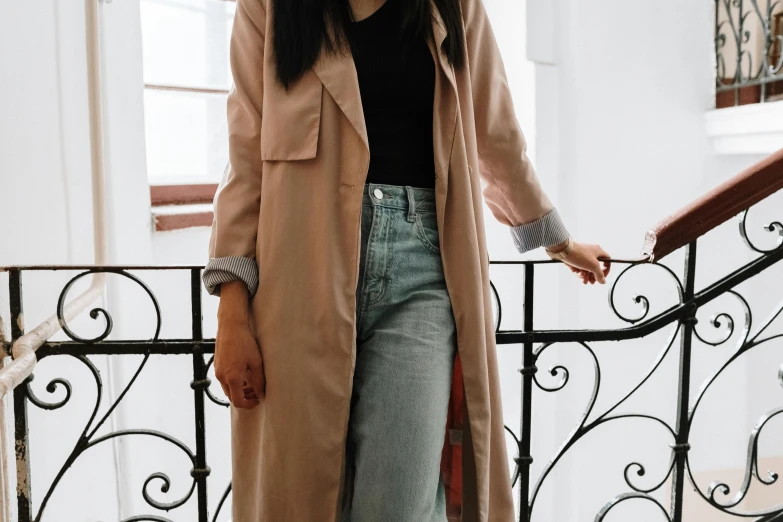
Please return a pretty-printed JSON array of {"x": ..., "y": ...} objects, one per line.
[
  {"x": 88, "y": 439},
  {"x": 554, "y": 371},
  {"x": 638, "y": 298},
  {"x": 718, "y": 320},
  {"x": 95, "y": 312},
  {"x": 51, "y": 388},
  {"x": 774, "y": 226}
]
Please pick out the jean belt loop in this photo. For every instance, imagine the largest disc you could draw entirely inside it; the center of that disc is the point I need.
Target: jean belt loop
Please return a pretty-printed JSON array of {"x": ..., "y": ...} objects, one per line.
[{"x": 411, "y": 204}]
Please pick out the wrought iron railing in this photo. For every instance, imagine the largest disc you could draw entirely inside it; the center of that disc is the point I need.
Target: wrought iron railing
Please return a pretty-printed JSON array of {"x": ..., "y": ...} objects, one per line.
[
  {"x": 679, "y": 231},
  {"x": 748, "y": 51}
]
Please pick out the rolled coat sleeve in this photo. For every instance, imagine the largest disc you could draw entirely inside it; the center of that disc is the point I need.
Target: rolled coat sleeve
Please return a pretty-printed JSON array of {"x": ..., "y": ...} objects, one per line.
[
  {"x": 511, "y": 188},
  {"x": 232, "y": 244}
]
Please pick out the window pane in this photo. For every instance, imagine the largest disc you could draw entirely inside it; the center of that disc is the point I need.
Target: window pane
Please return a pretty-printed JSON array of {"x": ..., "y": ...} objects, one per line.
[
  {"x": 186, "y": 137},
  {"x": 185, "y": 42}
]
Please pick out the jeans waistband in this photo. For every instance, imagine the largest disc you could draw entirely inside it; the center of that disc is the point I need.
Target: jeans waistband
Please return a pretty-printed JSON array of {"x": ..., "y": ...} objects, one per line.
[{"x": 402, "y": 197}]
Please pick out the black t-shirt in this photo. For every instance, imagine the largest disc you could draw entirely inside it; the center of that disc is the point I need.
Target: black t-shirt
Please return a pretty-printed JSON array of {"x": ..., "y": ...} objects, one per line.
[{"x": 397, "y": 84}]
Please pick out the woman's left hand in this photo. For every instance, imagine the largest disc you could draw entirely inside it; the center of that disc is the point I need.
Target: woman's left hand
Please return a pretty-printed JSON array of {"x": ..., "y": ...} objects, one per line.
[{"x": 584, "y": 261}]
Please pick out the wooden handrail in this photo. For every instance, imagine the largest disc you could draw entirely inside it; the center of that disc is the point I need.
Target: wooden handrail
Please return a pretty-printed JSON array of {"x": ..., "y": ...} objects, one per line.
[{"x": 715, "y": 207}]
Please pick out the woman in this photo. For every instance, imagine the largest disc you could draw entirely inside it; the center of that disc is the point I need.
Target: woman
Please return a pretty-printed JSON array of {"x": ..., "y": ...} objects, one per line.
[{"x": 362, "y": 134}]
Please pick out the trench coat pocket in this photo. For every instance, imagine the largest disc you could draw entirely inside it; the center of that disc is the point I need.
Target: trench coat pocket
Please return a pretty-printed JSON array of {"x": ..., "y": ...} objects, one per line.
[{"x": 291, "y": 120}]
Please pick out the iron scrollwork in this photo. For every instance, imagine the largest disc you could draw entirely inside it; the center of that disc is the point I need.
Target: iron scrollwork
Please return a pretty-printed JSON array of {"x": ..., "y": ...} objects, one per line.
[
  {"x": 88, "y": 439},
  {"x": 773, "y": 226},
  {"x": 731, "y": 326},
  {"x": 745, "y": 343},
  {"x": 681, "y": 320}
]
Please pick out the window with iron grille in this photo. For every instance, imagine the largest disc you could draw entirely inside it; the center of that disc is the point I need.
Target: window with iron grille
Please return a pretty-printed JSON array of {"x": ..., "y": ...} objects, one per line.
[{"x": 748, "y": 41}]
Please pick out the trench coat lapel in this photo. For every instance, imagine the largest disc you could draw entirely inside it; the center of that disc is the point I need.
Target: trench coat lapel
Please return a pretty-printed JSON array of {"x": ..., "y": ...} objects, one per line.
[
  {"x": 445, "y": 114},
  {"x": 337, "y": 72}
]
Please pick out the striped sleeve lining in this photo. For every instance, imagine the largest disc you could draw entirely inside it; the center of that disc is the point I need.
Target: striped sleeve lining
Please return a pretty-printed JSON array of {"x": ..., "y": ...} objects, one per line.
[
  {"x": 545, "y": 231},
  {"x": 232, "y": 268}
]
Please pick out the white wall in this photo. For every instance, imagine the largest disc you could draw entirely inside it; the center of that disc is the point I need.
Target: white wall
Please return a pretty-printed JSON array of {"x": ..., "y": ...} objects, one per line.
[
  {"x": 43, "y": 107},
  {"x": 611, "y": 103}
]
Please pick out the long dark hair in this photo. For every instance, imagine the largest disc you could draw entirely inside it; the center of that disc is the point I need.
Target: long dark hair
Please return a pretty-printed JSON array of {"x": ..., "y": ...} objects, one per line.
[{"x": 301, "y": 28}]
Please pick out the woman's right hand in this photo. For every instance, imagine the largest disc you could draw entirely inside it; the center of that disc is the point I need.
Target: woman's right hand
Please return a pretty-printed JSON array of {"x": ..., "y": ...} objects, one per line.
[{"x": 238, "y": 364}]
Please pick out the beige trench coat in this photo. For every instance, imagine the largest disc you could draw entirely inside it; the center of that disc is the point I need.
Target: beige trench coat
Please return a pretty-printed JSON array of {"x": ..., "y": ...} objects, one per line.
[{"x": 292, "y": 201}]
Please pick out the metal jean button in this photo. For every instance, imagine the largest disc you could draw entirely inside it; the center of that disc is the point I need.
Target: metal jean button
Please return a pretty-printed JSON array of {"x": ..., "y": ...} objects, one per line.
[{"x": 378, "y": 193}]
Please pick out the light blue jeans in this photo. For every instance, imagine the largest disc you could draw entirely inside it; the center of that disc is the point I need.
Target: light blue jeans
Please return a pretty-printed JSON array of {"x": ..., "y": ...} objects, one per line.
[{"x": 406, "y": 344}]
